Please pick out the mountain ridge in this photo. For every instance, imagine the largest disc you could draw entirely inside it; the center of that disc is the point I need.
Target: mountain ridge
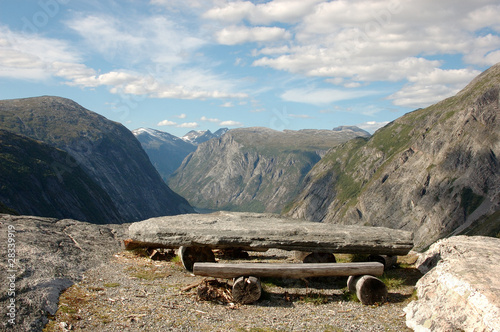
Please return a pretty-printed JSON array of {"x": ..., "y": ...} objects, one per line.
[
  {"x": 107, "y": 151},
  {"x": 253, "y": 169},
  {"x": 427, "y": 171}
]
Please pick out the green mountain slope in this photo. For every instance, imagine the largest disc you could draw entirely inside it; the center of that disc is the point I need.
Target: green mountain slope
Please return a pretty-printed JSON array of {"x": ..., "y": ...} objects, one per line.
[
  {"x": 107, "y": 151},
  {"x": 33, "y": 181},
  {"x": 433, "y": 171}
]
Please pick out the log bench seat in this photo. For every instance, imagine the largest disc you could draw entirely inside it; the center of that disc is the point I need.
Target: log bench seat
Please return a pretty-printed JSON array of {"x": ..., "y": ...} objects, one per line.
[{"x": 247, "y": 288}]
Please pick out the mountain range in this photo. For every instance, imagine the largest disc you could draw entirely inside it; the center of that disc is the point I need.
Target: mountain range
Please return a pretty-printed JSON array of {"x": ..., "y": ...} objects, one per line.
[
  {"x": 253, "y": 169},
  {"x": 434, "y": 171},
  {"x": 81, "y": 146},
  {"x": 167, "y": 151}
]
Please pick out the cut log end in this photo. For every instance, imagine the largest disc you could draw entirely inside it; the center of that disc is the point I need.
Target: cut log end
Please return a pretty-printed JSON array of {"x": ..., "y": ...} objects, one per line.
[
  {"x": 246, "y": 290},
  {"x": 368, "y": 289},
  {"x": 191, "y": 255}
]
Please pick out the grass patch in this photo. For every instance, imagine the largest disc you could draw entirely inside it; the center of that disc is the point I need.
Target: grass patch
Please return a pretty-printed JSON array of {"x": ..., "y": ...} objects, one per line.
[
  {"x": 392, "y": 282},
  {"x": 315, "y": 299},
  {"x": 111, "y": 285},
  {"x": 148, "y": 273}
]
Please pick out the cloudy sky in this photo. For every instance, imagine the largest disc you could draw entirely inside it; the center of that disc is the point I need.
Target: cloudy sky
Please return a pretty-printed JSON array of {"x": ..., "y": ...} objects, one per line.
[{"x": 177, "y": 65}]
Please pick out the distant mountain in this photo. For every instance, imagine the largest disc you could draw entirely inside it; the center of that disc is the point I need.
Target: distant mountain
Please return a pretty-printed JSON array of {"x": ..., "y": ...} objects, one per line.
[
  {"x": 197, "y": 137},
  {"x": 35, "y": 181},
  {"x": 252, "y": 169},
  {"x": 165, "y": 151},
  {"x": 105, "y": 150},
  {"x": 434, "y": 171}
]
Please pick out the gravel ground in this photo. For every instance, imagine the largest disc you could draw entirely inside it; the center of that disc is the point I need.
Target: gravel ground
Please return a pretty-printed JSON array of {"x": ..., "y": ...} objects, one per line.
[{"x": 135, "y": 293}]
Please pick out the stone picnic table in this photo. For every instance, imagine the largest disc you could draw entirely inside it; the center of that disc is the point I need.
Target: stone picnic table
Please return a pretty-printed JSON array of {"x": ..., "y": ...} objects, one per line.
[{"x": 197, "y": 234}]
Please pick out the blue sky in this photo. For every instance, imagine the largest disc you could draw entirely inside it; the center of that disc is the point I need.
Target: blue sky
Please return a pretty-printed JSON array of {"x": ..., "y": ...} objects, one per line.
[{"x": 178, "y": 65}]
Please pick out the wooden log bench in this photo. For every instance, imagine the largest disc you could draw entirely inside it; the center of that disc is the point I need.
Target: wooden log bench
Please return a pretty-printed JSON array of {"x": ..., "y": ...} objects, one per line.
[
  {"x": 247, "y": 287},
  {"x": 197, "y": 234}
]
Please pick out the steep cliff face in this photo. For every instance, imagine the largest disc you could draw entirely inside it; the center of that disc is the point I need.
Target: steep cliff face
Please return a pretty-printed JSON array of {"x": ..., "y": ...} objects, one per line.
[
  {"x": 433, "y": 171},
  {"x": 32, "y": 183},
  {"x": 252, "y": 169},
  {"x": 105, "y": 150}
]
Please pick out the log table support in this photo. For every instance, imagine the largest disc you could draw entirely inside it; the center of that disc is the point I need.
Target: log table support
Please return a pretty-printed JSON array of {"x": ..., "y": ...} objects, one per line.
[
  {"x": 368, "y": 289},
  {"x": 246, "y": 289},
  {"x": 191, "y": 255}
]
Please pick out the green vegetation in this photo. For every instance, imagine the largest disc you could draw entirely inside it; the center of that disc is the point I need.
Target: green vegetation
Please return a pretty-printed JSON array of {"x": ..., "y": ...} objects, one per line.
[{"x": 111, "y": 284}]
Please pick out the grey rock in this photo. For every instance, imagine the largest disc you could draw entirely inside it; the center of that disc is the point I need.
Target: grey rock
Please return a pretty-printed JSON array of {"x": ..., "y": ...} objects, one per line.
[
  {"x": 461, "y": 289},
  {"x": 252, "y": 169},
  {"x": 51, "y": 255},
  {"x": 432, "y": 171},
  {"x": 260, "y": 230}
]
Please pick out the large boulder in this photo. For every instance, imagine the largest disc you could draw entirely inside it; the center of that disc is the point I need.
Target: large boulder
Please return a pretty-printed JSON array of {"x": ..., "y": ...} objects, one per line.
[
  {"x": 50, "y": 255},
  {"x": 461, "y": 289}
]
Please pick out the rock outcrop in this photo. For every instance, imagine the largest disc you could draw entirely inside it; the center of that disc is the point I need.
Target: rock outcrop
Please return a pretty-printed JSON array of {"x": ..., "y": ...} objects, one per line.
[
  {"x": 432, "y": 171},
  {"x": 461, "y": 289},
  {"x": 107, "y": 151},
  {"x": 252, "y": 169},
  {"x": 50, "y": 255}
]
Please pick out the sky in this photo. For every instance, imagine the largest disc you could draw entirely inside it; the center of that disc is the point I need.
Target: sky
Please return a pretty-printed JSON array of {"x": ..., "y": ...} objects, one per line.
[{"x": 179, "y": 65}]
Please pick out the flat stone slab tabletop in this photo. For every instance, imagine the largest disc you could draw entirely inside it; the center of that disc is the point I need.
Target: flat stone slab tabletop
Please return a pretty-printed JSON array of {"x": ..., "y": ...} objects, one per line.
[{"x": 260, "y": 231}]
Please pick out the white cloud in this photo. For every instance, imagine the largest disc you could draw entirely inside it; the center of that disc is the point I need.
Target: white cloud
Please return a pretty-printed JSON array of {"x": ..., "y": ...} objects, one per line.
[
  {"x": 230, "y": 123},
  {"x": 430, "y": 87},
  {"x": 286, "y": 11},
  {"x": 227, "y": 104},
  {"x": 181, "y": 116},
  {"x": 204, "y": 118},
  {"x": 166, "y": 123},
  {"x": 240, "y": 34},
  {"x": 24, "y": 56},
  {"x": 355, "y": 42},
  {"x": 191, "y": 125},
  {"x": 323, "y": 96},
  {"x": 372, "y": 126}
]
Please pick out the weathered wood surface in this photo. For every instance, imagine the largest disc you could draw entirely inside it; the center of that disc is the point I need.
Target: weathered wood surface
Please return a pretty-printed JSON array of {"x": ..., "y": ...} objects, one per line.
[
  {"x": 191, "y": 255},
  {"x": 246, "y": 290},
  {"x": 287, "y": 270},
  {"x": 368, "y": 289},
  {"x": 258, "y": 231}
]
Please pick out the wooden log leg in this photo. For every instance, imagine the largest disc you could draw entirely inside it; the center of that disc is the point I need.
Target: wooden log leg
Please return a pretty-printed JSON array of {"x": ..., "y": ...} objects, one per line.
[
  {"x": 368, "y": 289},
  {"x": 319, "y": 257},
  {"x": 388, "y": 261},
  {"x": 191, "y": 255},
  {"x": 246, "y": 290}
]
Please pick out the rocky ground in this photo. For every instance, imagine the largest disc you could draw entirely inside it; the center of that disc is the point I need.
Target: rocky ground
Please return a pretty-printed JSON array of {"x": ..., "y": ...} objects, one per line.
[{"x": 135, "y": 293}]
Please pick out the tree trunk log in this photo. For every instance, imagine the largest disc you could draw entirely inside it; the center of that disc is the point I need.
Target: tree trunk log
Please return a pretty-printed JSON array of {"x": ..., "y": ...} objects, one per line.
[
  {"x": 246, "y": 290},
  {"x": 319, "y": 257},
  {"x": 296, "y": 271},
  {"x": 191, "y": 255},
  {"x": 388, "y": 261},
  {"x": 368, "y": 289}
]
